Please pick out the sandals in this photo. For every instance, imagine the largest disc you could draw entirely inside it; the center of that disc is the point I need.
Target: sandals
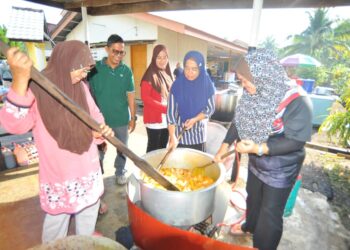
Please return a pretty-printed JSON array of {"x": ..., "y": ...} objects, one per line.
[
  {"x": 103, "y": 208},
  {"x": 236, "y": 230}
]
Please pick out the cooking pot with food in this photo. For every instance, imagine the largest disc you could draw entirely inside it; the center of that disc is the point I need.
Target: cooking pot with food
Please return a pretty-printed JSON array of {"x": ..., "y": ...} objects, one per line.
[{"x": 180, "y": 208}]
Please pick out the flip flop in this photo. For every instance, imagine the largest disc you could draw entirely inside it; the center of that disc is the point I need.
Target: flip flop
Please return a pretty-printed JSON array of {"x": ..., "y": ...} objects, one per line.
[
  {"x": 103, "y": 208},
  {"x": 236, "y": 230}
]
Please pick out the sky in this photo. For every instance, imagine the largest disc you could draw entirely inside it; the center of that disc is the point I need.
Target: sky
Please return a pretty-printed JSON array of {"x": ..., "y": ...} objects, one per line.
[
  {"x": 227, "y": 24},
  {"x": 236, "y": 24}
]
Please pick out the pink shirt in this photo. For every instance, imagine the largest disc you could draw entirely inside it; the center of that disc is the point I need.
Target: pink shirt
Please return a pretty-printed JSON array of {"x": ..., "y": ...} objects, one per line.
[{"x": 69, "y": 182}]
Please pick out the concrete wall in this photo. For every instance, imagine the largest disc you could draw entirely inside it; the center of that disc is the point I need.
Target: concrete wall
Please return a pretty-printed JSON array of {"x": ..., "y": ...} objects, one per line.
[
  {"x": 179, "y": 44},
  {"x": 99, "y": 53},
  {"x": 101, "y": 27},
  {"x": 134, "y": 30}
]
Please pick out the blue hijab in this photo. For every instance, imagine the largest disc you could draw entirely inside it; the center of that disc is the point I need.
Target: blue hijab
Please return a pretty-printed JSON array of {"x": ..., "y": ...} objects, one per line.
[{"x": 192, "y": 96}]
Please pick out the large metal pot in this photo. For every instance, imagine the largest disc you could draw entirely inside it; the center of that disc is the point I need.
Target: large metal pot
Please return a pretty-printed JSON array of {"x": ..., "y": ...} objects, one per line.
[
  {"x": 180, "y": 208},
  {"x": 225, "y": 104}
]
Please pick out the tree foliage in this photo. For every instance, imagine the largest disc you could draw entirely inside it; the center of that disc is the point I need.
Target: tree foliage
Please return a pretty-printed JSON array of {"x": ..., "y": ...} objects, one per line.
[
  {"x": 312, "y": 40},
  {"x": 329, "y": 42},
  {"x": 270, "y": 43},
  {"x": 337, "y": 125},
  {"x": 3, "y": 38}
]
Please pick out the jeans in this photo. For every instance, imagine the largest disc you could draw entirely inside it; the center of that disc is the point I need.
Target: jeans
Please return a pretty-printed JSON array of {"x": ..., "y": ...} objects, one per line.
[
  {"x": 119, "y": 163},
  {"x": 122, "y": 134}
]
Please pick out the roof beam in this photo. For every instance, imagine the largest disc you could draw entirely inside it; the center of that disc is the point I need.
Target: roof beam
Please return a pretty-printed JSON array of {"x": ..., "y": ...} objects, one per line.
[
  {"x": 63, "y": 23},
  {"x": 105, "y": 7},
  {"x": 102, "y": 3},
  {"x": 57, "y": 4}
]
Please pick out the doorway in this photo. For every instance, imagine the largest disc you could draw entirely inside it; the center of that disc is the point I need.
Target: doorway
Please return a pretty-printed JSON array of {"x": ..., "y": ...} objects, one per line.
[{"x": 138, "y": 65}]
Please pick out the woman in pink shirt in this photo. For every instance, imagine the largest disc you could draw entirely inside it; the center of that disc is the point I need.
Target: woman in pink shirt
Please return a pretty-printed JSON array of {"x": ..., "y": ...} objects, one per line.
[{"x": 70, "y": 178}]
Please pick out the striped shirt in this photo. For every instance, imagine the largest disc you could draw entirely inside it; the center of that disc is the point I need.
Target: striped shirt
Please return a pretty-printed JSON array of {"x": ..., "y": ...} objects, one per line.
[{"x": 198, "y": 133}]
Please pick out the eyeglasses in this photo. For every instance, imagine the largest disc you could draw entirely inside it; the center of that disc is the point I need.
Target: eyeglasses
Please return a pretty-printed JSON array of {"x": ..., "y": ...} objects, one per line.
[
  {"x": 118, "y": 52},
  {"x": 193, "y": 69}
]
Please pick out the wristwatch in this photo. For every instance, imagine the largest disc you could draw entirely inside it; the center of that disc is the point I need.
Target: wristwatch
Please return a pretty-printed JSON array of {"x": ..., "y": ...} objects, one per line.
[
  {"x": 134, "y": 118},
  {"x": 260, "y": 150}
]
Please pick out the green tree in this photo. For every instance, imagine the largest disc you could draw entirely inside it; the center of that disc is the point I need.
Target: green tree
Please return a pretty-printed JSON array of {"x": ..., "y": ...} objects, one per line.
[
  {"x": 312, "y": 40},
  {"x": 270, "y": 43},
  {"x": 329, "y": 42},
  {"x": 3, "y": 38},
  {"x": 338, "y": 60},
  {"x": 338, "y": 124},
  {"x": 341, "y": 39}
]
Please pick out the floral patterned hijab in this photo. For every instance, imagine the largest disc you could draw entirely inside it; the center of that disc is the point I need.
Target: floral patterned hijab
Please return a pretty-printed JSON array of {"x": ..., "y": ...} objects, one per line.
[{"x": 255, "y": 113}]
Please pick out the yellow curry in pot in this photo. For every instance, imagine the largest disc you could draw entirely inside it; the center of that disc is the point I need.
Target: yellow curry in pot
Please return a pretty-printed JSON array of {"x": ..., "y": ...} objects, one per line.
[{"x": 184, "y": 179}]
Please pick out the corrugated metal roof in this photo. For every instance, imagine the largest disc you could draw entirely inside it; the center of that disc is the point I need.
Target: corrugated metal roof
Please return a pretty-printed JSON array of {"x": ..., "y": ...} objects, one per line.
[{"x": 26, "y": 24}]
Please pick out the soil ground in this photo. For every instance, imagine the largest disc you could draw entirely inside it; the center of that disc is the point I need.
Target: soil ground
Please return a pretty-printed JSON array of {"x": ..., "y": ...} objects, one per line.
[{"x": 328, "y": 174}]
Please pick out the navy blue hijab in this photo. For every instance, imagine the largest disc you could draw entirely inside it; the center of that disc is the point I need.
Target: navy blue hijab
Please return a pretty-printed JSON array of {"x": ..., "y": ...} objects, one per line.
[{"x": 192, "y": 96}]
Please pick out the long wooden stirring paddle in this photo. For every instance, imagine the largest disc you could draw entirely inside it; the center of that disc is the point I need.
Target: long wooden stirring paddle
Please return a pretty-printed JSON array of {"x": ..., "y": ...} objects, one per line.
[
  {"x": 170, "y": 150},
  {"x": 85, "y": 117}
]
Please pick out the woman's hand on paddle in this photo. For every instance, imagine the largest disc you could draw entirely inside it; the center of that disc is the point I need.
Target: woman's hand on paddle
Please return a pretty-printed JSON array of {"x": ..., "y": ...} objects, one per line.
[
  {"x": 105, "y": 131},
  {"x": 189, "y": 123},
  {"x": 222, "y": 150},
  {"x": 20, "y": 65},
  {"x": 247, "y": 146},
  {"x": 173, "y": 142}
]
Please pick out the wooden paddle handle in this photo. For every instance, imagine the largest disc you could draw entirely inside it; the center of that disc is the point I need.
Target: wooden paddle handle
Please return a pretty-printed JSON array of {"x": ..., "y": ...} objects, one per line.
[
  {"x": 169, "y": 151},
  {"x": 55, "y": 92},
  {"x": 222, "y": 157}
]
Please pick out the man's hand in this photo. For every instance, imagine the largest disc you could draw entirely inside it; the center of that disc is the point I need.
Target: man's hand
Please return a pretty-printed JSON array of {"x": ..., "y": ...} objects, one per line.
[{"x": 132, "y": 125}]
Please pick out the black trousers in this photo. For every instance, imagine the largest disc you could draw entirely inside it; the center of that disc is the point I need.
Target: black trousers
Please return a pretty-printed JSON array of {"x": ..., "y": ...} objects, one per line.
[
  {"x": 201, "y": 146},
  {"x": 157, "y": 138},
  {"x": 265, "y": 207}
]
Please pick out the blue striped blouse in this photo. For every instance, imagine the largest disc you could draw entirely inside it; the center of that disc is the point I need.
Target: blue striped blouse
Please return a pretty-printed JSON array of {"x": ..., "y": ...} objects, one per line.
[{"x": 198, "y": 133}]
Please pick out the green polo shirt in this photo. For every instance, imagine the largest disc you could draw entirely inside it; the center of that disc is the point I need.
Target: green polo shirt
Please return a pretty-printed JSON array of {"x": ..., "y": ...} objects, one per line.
[{"x": 110, "y": 88}]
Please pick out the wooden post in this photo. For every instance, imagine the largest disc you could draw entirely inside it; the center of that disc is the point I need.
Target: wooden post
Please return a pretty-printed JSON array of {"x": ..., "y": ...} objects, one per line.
[{"x": 254, "y": 31}]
